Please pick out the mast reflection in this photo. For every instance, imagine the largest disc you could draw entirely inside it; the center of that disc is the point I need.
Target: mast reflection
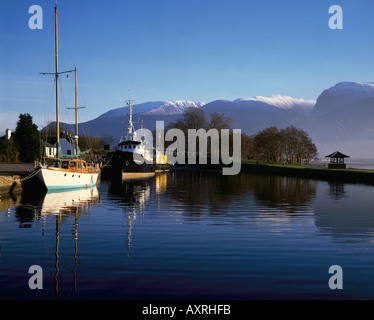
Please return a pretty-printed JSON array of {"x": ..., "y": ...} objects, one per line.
[
  {"x": 132, "y": 196},
  {"x": 61, "y": 204}
]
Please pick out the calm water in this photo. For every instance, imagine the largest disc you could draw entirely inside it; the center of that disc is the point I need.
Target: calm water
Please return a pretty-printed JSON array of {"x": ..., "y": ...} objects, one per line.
[{"x": 191, "y": 235}]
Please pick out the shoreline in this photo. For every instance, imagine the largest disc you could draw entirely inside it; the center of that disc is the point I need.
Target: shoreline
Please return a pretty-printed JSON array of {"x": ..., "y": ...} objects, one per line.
[
  {"x": 349, "y": 175},
  {"x": 10, "y": 183},
  {"x": 10, "y": 179},
  {"x": 11, "y": 175}
]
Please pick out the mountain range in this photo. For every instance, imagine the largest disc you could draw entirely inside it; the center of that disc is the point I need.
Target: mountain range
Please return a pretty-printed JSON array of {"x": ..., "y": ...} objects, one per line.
[{"x": 340, "y": 119}]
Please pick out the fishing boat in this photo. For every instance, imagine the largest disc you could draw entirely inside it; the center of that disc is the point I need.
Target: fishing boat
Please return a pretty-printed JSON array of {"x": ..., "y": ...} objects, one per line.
[
  {"x": 67, "y": 170},
  {"x": 134, "y": 158}
]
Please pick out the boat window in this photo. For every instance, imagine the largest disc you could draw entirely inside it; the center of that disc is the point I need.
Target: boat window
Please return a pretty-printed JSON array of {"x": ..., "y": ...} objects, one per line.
[
  {"x": 125, "y": 147},
  {"x": 73, "y": 164},
  {"x": 65, "y": 165}
]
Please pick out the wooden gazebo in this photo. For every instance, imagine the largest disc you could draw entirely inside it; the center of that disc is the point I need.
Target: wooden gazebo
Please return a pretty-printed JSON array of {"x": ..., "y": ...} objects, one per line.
[{"x": 337, "y": 160}]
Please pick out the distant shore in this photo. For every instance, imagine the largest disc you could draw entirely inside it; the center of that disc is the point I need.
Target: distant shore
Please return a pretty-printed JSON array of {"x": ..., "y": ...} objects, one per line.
[{"x": 349, "y": 175}]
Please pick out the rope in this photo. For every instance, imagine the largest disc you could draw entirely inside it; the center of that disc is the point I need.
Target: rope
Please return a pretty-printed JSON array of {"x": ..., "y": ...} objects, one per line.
[
  {"x": 34, "y": 173},
  {"x": 108, "y": 162}
]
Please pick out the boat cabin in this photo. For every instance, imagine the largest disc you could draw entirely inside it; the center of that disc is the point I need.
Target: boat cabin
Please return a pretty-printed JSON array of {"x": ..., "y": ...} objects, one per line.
[
  {"x": 128, "y": 145},
  {"x": 77, "y": 165}
]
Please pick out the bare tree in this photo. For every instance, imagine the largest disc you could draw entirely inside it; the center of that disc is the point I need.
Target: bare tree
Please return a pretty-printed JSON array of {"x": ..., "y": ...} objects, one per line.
[
  {"x": 248, "y": 147},
  {"x": 219, "y": 121},
  {"x": 268, "y": 144},
  {"x": 290, "y": 145},
  {"x": 297, "y": 146}
]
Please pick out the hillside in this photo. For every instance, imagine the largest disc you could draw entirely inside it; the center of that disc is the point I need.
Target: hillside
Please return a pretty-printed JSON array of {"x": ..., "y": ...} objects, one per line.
[{"x": 340, "y": 118}]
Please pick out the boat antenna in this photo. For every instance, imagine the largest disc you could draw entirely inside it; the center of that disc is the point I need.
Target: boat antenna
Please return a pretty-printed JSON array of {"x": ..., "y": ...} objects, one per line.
[{"x": 129, "y": 103}]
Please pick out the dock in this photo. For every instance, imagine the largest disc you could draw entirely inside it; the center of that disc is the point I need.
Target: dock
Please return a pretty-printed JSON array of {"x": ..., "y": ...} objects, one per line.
[
  {"x": 16, "y": 168},
  {"x": 11, "y": 175}
]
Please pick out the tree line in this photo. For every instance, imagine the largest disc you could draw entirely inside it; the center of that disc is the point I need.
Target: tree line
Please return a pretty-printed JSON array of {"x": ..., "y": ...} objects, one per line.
[
  {"x": 25, "y": 143},
  {"x": 290, "y": 145}
]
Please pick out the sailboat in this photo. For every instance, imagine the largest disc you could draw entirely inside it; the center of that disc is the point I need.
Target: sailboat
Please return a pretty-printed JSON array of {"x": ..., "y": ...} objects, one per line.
[{"x": 67, "y": 171}]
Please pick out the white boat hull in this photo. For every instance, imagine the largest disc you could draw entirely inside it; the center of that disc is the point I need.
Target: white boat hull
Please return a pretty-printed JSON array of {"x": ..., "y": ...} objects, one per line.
[
  {"x": 69, "y": 200},
  {"x": 58, "y": 179}
]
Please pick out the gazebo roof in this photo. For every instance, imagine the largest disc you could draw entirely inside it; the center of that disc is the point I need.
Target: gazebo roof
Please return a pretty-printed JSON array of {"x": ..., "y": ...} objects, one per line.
[{"x": 337, "y": 154}]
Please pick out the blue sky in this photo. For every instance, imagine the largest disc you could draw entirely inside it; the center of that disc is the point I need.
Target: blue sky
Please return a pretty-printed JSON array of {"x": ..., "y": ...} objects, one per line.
[{"x": 198, "y": 50}]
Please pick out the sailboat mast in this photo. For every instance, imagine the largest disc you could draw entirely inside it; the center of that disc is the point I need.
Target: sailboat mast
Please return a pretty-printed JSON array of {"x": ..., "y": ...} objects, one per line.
[
  {"x": 56, "y": 80},
  {"x": 76, "y": 110}
]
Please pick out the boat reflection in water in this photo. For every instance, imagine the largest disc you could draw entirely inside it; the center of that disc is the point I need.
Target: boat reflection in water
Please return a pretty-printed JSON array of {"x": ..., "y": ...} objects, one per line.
[
  {"x": 61, "y": 204},
  {"x": 132, "y": 196},
  {"x": 68, "y": 202}
]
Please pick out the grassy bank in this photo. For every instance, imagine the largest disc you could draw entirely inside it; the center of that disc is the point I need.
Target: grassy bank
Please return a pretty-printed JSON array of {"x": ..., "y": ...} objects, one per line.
[{"x": 307, "y": 171}]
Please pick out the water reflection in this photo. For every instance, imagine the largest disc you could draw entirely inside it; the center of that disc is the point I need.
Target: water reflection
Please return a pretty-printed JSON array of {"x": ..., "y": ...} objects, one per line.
[
  {"x": 201, "y": 191},
  {"x": 132, "y": 196},
  {"x": 346, "y": 213},
  {"x": 337, "y": 190},
  {"x": 343, "y": 211},
  {"x": 262, "y": 222},
  {"x": 69, "y": 202},
  {"x": 286, "y": 194},
  {"x": 9, "y": 200},
  {"x": 36, "y": 207}
]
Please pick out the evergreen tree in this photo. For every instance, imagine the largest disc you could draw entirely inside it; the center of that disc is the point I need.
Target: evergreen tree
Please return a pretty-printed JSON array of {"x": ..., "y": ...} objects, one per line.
[
  {"x": 8, "y": 150},
  {"x": 27, "y": 139}
]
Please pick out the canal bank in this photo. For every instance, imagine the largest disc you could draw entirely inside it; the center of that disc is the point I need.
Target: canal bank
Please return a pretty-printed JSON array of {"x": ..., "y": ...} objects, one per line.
[
  {"x": 11, "y": 175},
  {"x": 304, "y": 171},
  {"x": 10, "y": 183}
]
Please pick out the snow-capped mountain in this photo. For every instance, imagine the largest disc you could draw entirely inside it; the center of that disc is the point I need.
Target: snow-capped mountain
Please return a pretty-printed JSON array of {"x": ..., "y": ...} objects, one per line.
[
  {"x": 343, "y": 94},
  {"x": 114, "y": 121},
  {"x": 254, "y": 114},
  {"x": 340, "y": 119},
  {"x": 279, "y": 101},
  {"x": 154, "y": 108},
  {"x": 173, "y": 107}
]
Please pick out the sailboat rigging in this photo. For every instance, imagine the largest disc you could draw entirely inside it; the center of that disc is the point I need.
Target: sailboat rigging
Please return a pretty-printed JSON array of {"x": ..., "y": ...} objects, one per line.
[{"x": 67, "y": 171}]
